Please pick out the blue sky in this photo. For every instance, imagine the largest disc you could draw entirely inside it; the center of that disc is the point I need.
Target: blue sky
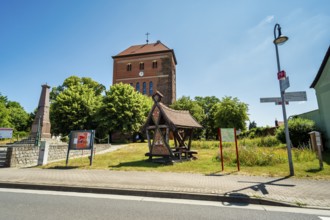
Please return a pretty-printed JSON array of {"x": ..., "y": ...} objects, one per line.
[{"x": 223, "y": 48}]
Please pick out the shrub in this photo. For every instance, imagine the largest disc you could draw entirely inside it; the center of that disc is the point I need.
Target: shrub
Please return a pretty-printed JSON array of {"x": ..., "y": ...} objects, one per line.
[
  {"x": 65, "y": 139},
  {"x": 257, "y": 132},
  {"x": 20, "y": 134},
  {"x": 298, "y": 129}
]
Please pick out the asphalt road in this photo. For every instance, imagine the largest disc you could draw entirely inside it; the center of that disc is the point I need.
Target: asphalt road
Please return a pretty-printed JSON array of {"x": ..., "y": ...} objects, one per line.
[{"x": 33, "y": 204}]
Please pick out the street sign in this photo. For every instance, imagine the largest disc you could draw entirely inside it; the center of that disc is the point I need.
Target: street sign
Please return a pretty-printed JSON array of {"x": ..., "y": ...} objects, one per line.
[
  {"x": 271, "y": 99},
  {"x": 289, "y": 97},
  {"x": 285, "y": 84},
  {"x": 295, "y": 96}
]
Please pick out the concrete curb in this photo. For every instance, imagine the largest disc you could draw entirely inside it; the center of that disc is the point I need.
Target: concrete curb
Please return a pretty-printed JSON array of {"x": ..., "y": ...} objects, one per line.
[{"x": 231, "y": 198}]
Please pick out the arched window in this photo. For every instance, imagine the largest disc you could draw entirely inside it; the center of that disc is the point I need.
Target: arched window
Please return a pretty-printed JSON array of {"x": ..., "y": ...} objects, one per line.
[
  {"x": 129, "y": 67},
  {"x": 150, "y": 88},
  {"x": 137, "y": 87},
  {"x": 144, "y": 88}
]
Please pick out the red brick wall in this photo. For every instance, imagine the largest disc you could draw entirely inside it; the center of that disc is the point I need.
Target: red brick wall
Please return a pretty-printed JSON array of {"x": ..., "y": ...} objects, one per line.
[{"x": 162, "y": 79}]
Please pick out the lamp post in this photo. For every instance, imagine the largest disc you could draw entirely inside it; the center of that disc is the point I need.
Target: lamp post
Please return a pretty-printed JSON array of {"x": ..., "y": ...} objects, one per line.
[{"x": 278, "y": 40}]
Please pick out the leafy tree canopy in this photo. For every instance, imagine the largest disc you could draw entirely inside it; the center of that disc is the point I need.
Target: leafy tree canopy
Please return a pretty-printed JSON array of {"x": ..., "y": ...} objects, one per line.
[
  {"x": 19, "y": 118},
  {"x": 207, "y": 102},
  {"x": 4, "y": 115},
  {"x": 208, "y": 123},
  {"x": 252, "y": 124},
  {"x": 123, "y": 109},
  {"x": 230, "y": 113},
  {"x": 75, "y": 81},
  {"x": 13, "y": 115},
  {"x": 74, "y": 104}
]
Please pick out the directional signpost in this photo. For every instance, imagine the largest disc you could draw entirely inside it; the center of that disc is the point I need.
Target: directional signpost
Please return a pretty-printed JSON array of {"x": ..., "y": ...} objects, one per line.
[
  {"x": 288, "y": 96},
  {"x": 295, "y": 96},
  {"x": 270, "y": 99}
]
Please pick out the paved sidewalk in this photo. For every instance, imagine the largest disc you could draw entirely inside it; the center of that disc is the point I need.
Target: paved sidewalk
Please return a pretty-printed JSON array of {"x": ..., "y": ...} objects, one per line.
[{"x": 224, "y": 188}]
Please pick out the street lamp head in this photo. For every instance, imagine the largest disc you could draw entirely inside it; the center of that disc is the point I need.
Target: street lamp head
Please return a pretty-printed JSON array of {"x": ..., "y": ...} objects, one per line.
[{"x": 279, "y": 39}]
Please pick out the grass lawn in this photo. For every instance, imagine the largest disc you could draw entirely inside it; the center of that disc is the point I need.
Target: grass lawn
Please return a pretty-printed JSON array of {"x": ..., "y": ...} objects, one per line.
[{"x": 131, "y": 157}]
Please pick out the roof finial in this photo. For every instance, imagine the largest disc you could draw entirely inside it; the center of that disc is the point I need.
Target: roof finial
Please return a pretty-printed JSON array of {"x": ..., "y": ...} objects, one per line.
[{"x": 147, "y": 37}]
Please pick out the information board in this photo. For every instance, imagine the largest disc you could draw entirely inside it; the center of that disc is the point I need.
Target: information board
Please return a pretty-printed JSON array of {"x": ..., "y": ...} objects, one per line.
[
  {"x": 6, "y": 133},
  {"x": 228, "y": 135},
  {"x": 81, "y": 140}
]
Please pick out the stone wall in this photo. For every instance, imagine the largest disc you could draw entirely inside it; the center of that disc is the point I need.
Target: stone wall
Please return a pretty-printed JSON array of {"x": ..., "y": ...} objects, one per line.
[{"x": 27, "y": 155}]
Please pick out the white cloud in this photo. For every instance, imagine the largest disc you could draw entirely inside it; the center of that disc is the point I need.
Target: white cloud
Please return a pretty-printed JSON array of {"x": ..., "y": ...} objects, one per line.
[{"x": 266, "y": 20}]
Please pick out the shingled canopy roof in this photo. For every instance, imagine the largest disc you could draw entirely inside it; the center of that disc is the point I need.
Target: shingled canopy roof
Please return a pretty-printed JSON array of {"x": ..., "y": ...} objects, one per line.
[
  {"x": 174, "y": 118},
  {"x": 179, "y": 118}
]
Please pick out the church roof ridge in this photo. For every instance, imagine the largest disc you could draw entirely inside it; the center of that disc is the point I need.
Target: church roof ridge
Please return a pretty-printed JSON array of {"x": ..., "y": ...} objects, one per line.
[{"x": 158, "y": 46}]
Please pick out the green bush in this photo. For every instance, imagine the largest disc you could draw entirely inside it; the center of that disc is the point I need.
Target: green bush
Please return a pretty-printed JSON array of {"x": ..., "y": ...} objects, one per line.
[
  {"x": 257, "y": 132},
  {"x": 20, "y": 134},
  {"x": 298, "y": 129},
  {"x": 65, "y": 139}
]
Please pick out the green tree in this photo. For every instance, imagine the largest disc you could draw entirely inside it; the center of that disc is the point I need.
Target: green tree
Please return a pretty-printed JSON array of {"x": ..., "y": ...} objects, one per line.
[
  {"x": 230, "y": 113},
  {"x": 19, "y": 118},
  {"x": 4, "y": 115},
  {"x": 74, "y": 104},
  {"x": 124, "y": 110},
  {"x": 298, "y": 130},
  {"x": 252, "y": 124},
  {"x": 208, "y": 123}
]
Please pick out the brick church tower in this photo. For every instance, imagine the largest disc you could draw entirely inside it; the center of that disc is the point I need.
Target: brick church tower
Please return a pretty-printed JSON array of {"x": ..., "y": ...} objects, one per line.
[{"x": 148, "y": 68}]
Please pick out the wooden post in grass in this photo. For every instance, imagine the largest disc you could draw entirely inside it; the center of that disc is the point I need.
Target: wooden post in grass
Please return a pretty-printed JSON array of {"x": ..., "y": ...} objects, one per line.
[
  {"x": 220, "y": 146},
  {"x": 228, "y": 135},
  {"x": 238, "y": 168}
]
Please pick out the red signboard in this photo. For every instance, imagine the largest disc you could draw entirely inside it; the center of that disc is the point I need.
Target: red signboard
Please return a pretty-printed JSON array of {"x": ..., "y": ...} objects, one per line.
[
  {"x": 281, "y": 75},
  {"x": 81, "y": 140}
]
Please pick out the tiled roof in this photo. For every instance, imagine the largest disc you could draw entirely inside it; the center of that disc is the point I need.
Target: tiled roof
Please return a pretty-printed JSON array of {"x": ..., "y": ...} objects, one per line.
[
  {"x": 144, "y": 48},
  {"x": 179, "y": 118}
]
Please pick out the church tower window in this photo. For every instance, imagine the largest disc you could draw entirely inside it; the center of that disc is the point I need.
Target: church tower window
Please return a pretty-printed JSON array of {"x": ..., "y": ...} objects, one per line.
[
  {"x": 150, "y": 88},
  {"x": 141, "y": 66},
  {"x": 154, "y": 64},
  {"x": 144, "y": 88},
  {"x": 137, "y": 87}
]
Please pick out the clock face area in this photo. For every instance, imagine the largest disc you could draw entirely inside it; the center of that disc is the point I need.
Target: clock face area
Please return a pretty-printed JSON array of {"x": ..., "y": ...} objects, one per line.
[{"x": 141, "y": 73}]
